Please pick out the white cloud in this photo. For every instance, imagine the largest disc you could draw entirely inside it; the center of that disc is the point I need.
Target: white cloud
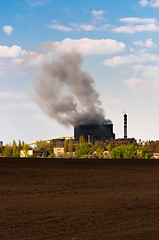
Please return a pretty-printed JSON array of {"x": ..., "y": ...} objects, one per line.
[
  {"x": 11, "y": 52},
  {"x": 78, "y": 27},
  {"x": 14, "y": 61},
  {"x": 154, "y": 3},
  {"x": 138, "y": 57},
  {"x": 143, "y": 3},
  {"x": 87, "y": 27},
  {"x": 137, "y": 28},
  {"x": 13, "y": 95},
  {"x": 139, "y": 43},
  {"x": 8, "y": 29},
  {"x": 136, "y": 24},
  {"x": 60, "y": 27},
  {"x": 31, "y": 59},
  {"x": 14, "y": 57},
  {"x": 89, "y": 46},
  {"x": 151, "y": 3},
  {"x": 145, "y": 78},
  {"x": 74, "y": 27},
  {"x": 91, "y": 27},
  {"x": 154, "y": 86},
  {"x": 12, "y": 101},
  {"x": 34, "y": 3},
  {"x": 148, "y": 43},
  {"x": 115, "y": 101},
  {"x": 133, "y": 82},
  {"x": 138, "y": 20},
  {"x": 150, "y": 72},
  {"x": 98, "y": 14}
]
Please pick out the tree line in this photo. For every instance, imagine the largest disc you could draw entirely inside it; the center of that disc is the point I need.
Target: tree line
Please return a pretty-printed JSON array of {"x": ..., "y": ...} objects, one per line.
[
  {"x": 84, "y": 149},
  {"x": 13, "y": 149}
]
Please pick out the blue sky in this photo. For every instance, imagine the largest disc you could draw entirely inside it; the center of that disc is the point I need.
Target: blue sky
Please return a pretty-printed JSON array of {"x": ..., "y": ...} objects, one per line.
[{"x": 118, "y": 40}]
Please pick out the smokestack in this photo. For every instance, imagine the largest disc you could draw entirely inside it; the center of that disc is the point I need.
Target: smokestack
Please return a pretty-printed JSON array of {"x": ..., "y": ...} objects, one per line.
[{"x": 125, "y": 125}]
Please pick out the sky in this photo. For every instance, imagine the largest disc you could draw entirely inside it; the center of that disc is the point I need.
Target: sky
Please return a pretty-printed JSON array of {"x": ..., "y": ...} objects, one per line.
[{"x": 118, "y": 41}]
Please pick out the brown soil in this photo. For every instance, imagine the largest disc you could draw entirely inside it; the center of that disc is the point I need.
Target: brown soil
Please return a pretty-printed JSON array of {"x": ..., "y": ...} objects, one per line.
[{"x": 79, "y": 199}]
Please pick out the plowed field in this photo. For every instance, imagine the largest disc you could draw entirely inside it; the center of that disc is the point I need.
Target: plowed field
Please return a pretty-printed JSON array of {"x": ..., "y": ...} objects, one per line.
[{"x": 79, "y": 199}]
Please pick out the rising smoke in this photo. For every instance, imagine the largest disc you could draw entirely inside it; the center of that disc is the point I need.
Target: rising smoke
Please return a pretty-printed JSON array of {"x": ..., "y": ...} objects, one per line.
[{"x": 66, "y": 93}]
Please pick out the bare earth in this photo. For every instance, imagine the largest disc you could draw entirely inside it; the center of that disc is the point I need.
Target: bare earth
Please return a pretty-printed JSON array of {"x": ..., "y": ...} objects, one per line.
[{"x": 79, "y": 199}]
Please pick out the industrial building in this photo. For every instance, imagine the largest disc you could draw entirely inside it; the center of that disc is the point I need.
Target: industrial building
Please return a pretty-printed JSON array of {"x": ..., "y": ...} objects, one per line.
[
  {"x": 31, "y": 152},
  {"x": 96, "y": 132},
  {"x": 101, "y": 132},
  {"x": 91, "y": 133}
]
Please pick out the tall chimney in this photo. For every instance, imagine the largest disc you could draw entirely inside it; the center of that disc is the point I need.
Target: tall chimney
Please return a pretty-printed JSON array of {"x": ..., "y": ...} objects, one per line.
[{"x": 125, "y": 125}]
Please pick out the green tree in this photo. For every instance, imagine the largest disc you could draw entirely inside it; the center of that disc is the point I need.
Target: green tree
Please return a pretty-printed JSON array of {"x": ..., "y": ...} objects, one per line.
[
  {"x": 20, "y": 145},
  {"x": 110, "y": 147},
  {"x": 82, "y": 140},
  {"x": 25, "y": 149},
  {"x": 142, "y": 151},
  {"x": 84, "y": 150},
  {"x": 118, "y": 152},
  {"x": 134, "y": 143},
  {"x": 1, "y": 150},
  {"x": 152, "y": 145},
  {"x": 147, "y": 156},
  {"x": 100, "y": 152},
  {"x": 65, "y": 146},
  {"x": 16, "y": 151},
  {"x": 77, "y": 147},
  {"x": 41, "y": 145},
  {"x": 124, "y": 151},
  {"x": 129, "y": 151},
  {"x": 14, "y": 146},
  {"x": 52, "y": 155},
  {"x": 99, "y": 144},
  {"x": 50, "y": 148},
  {"x": 70, "y": 145},
  {"x": 7, "y": 152},
  {"x": 45, "y": 146}
]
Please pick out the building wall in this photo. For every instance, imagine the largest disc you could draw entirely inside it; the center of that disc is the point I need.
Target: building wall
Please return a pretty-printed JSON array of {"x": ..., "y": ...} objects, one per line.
[
  {"x": 37, "y": 153},
  {"x": 96, "y": 132},
  {"x": 58, "y": 150},
  {"x": 24, "y": 154},
  {"x": 156, "y": 155}
]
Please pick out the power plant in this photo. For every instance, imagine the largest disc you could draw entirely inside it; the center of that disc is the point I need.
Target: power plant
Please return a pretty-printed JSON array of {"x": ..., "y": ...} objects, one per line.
[
  {"x": 95, "y": 132},
  {"x": 74, "y": 101},
  {"x": 100, "y": 132}
]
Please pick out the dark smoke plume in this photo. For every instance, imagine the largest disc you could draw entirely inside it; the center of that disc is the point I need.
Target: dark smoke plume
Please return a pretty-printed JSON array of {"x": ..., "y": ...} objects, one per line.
[{"x": 66, "y": 93}]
